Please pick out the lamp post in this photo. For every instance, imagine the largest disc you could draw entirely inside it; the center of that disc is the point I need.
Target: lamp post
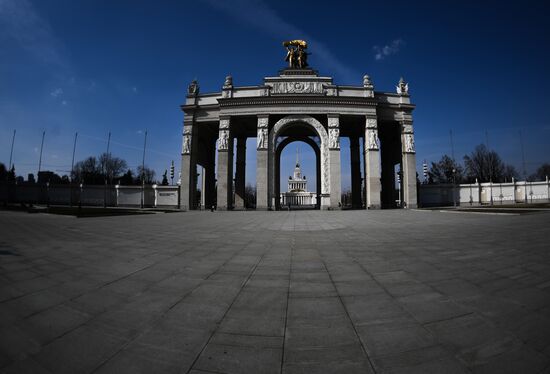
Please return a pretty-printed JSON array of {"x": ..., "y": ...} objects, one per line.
[
  {"x": 143, "y": 171},
  {"x": 40, "y": 159},
  {"x": 72, "y": 171},
  {"x": 106, "y": 171},
  {"x": 454, "y": 187},
  {"x": 11, "y": 152}
]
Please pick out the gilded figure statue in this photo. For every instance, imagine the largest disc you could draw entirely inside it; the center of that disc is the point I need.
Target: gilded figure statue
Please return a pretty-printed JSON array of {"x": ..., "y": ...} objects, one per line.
[{"x": 296, "y": 53}]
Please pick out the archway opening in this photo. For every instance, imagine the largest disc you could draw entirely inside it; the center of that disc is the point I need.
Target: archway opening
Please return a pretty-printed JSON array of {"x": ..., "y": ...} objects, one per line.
[{"x": 298, "y": 184}]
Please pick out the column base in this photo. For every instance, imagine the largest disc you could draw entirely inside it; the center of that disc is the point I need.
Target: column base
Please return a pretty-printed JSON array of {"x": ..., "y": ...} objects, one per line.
[{"x": 373, "y": 206}]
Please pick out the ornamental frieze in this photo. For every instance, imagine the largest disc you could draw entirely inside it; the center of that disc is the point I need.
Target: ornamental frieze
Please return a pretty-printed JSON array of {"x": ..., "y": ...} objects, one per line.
[{"x": 297, "y": 87}]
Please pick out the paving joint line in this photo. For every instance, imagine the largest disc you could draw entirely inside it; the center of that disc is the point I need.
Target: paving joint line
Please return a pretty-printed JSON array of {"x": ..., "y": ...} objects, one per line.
[{"x": 228, "y": 308}]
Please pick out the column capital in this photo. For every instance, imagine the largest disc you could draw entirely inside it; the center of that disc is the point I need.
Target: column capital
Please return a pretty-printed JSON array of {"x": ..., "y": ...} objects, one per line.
[
  {"x": 225, "y": 122},
  {"x": 263, "y": 120},
  {"x": 333, "y": 120},
  {"x": 407, "y": 126},
  {"x": 371, "y": 122}
]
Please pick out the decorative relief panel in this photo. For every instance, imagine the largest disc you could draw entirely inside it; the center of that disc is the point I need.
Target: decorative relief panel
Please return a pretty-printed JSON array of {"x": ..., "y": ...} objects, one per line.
[
  {"x": 409, "y": 143},
  {"x": 297, "y": 88},
  {"x": 223, "y": 141},
  {"x": 331, "y": 91},
  {"x": 334, "y": 138},
  {"x": 262, "y": 138},
  {"x": 186, "y": 146},
  {"x": 372, "y": 136}
]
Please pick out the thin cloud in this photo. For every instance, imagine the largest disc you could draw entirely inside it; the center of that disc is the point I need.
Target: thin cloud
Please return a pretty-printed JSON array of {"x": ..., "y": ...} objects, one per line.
[
  {"x": 381, "y": 53},
  {"x": 21, "y": 22},
  {"x": 57, "y": 92},
  {"x": 258, "y": 14}
]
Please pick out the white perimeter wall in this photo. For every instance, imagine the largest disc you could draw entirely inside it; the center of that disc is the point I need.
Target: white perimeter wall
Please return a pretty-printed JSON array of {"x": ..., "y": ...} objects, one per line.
[{"x": 484, "y": 193}]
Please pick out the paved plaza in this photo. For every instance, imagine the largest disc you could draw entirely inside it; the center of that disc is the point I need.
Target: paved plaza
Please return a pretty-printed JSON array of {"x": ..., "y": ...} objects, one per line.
[{"x": 389, "y": 291}]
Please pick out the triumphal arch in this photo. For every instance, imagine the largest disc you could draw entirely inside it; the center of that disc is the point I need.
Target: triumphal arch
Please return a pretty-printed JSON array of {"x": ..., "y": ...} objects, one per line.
[{"x": 298, "y": 104}]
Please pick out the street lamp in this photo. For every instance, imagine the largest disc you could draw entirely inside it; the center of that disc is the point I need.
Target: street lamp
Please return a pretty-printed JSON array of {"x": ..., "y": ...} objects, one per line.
[{"x": 80, "y": 196}]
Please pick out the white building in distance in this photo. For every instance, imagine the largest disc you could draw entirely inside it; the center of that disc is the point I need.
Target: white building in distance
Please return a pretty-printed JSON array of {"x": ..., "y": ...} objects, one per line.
[{"x": 297, "y": 193}]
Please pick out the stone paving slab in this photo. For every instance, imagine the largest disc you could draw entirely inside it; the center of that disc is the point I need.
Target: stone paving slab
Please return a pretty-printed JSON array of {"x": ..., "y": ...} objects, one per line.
[{"x": 275, "y": 292}]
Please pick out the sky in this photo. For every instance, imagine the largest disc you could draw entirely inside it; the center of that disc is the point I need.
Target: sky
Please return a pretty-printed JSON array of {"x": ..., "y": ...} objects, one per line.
[{"x": 478, "y": 69}]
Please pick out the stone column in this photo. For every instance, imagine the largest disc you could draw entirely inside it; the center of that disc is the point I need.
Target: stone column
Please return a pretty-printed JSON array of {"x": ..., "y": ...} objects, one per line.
[
  {"x": 355, "y": 156},
  {"x": 334, "y": 160},
  {"x": 188, "y": 168},
  {"x": 262, "y": 161},
  {"x": 372, "y": 164},
  {"x": 225, "y": 166},
  {"x": 408, "y": 166},
  {"x": 203, "y": 188},
  {"x": 240, "y": 173},
  {"x": 210, "y": 173}
]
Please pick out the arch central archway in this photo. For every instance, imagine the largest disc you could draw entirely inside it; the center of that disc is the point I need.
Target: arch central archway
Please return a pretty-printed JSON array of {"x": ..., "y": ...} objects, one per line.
[
  {"x": 323, "y": 157},
  {"x": 279, "y": 151}
]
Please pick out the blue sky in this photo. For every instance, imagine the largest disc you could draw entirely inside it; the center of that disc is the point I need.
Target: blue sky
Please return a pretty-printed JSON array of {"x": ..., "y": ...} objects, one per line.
[{"x": 123, "y": 66}]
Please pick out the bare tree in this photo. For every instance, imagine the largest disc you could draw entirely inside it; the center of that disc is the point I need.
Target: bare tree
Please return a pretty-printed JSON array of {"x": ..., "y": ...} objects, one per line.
[
  {"x": 88, "y": 171},
  {"x": 484, "y": 165},
  {"x": 445, "y": 170},
  {"x": 509, "y": 173},
  {"x": 542, "y": 172},
  {"x": 113, "y": 167},
  {"x": 148, "y": 175},
  {"x": 94, "y": 170},
  {"x": 250, "y": 195}
]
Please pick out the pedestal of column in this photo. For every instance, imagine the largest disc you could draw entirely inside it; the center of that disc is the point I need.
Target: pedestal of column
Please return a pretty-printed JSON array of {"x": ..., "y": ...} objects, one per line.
[
  {"x": 355, "y": 156},
  {"x": 372, "y": 164},
  {"x": 334, "y": 162},
  {"x": 262, "y": 161},
  {"x": 240, "y": 173},
  {"x": 408, "y": 165},
  {"x": 225, "y": 167}
]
